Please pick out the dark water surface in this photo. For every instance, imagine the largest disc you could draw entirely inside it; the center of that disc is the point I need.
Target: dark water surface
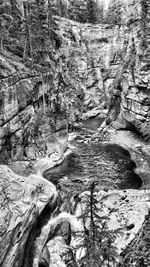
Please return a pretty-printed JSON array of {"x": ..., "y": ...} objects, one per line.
[{"x": 110, "y": 164}]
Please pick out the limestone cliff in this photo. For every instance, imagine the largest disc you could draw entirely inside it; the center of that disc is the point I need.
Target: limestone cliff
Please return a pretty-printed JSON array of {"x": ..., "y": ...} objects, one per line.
[
  {"x": 91, "y": 66},
  {"x": 22, "y": 201},
  {"x": 111, "y": 64},
  {"x": 101, "y": 66},
  {"x": 30, "y": 232},
  {"x": 31, "y": 120},
  {"x": 137, "y": 252},
  {"x": 130, "y": 103}
]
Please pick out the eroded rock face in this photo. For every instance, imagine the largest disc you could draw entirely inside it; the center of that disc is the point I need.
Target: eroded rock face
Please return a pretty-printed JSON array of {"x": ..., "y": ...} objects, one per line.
[
  {"x": 130, "y": 88},
  {"x": 29, "y": 122},
  {"x": 137, "y": 252},
  {"x": 100, "y": 66},
  {"x": 111, "y": 63},
  {"x": 22, "y": 200}
]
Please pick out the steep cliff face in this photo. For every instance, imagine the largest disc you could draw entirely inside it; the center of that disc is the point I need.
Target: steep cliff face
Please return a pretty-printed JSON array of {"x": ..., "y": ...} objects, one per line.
[
  {"x": 137, "y": 252},
  {"x": 33, "y": 114},
  {"x": 100, "y": 66},
  {"x": 30, "y": 232},
  {"x": 133, "y": 77},
  {"x": 22, "y": 201},
  {"x": 111, "y": 64}
]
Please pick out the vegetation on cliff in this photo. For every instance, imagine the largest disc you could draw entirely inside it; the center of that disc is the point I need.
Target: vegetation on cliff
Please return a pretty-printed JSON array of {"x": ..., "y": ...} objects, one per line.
[
  {"x": 95, "y": 242},
  {"x": 32, "y": 34},
  {"x": 137, "y": 252}
]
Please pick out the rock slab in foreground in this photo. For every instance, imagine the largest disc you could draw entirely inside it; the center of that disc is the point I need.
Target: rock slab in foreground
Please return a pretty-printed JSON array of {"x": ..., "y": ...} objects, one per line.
[{"x": 22, "y": 199}]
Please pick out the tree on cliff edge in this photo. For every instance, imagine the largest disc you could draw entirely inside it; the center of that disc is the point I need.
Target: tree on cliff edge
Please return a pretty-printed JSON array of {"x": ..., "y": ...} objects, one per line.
[
  {"x": 86, "y": 11},
  {"x": 27, "y": 30},
  {"x": 78, "y": 10},
  {"x": 93, "y": 11},
  {"x": 5, "y": 23},
  {"x": 114, "y": 12}
]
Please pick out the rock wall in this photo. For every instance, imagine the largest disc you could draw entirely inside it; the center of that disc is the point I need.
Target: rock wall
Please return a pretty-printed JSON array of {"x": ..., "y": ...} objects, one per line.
[
  {"x": 22, "y": 202},
  {"x": 132, "y": 80},
  {"x": 102, "y": 66},
  {"x": 137, "y": 252},
  {"x": 33, "y": 111},
  {"x": 111, "y": 64},
  {"x": 30, "y": 232}
]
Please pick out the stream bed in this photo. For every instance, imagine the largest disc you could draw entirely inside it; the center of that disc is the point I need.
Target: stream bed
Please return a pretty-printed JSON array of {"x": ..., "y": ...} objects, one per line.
[{"x": 109, "y": 164}]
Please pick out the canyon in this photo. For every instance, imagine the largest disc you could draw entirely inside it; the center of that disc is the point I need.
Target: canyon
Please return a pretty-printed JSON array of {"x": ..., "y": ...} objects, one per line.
[{"x": 95, "y": 70}]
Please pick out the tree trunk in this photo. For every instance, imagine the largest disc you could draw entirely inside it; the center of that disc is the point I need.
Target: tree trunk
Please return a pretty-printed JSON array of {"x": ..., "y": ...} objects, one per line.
[
  {"x": 27, "y": 48},
  {"x": 59, "y": 4},
  {"x": 92, "y": 215},
  {"x": 2, "y": 38},
  {"x": 43, "y": 93}
]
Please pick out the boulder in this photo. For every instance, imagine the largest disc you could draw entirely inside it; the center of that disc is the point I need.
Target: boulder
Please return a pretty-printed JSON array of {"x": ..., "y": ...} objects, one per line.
[{"x": 22, "y": 201}]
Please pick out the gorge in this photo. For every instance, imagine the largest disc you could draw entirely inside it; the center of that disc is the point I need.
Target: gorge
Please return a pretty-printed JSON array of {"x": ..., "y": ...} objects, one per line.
[{"x": 74, "y": 125}]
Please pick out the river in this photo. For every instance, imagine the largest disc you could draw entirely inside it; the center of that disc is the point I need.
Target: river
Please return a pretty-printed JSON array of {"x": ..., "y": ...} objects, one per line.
[{"x": 109, "y": 164}]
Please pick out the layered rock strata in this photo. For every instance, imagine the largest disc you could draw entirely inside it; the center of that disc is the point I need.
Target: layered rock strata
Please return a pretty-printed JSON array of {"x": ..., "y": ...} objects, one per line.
[
  {"x": 22, "y": 201},
  {"x": 100, "y": 66},
  {"x": 29, "y": 122}
]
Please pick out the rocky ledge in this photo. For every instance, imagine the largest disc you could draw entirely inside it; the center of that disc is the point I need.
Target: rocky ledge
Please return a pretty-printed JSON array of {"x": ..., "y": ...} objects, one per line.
[
  {"x": 28, "y": 205},
  {"x": 23, "y": 200},
  {"x": 100, "y": 66}
]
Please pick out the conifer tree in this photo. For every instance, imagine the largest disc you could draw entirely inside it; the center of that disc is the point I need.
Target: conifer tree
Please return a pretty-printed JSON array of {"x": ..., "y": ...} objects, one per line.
[
  {"x": 62, "y": 6},
  {"x": 114, "y": 13},
  {"x": 27, "y": 30},
  {"x": 95, "y": 11},
  {"x": 36, "y": 25},
  {"x": 5, "y": 22},
  {"x": 100, "y": 11},
  {"x": 96, "y": 243},
  {"x": 91, "y": 11},
  {"x": 78, "y": 10},
  {"x": 97, "y": 240}
]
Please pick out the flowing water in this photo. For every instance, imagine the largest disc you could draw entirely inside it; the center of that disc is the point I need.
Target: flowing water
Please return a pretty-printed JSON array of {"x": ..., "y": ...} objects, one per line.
[
  {"x": 92, "y": 123},
  {"x": 109, "y": 164}
]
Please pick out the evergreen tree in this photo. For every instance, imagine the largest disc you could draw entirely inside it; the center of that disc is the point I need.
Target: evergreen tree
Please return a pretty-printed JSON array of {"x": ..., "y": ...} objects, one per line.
[
  {"x": 5, "y": 22},
  {"x": 100, "y": 11},
  {"x": 95, "y": 11},
  {"x": 97, "y": 240},
  {"x": 86, "y": 11},
  {"x": 27, "y": 31},
  {"x": 91, "y": 11},
  {"x": 39, "y": 24},
  {"x": 144, "y": 23},
  {"x": 62, "y": 6},
  {"x": 114, "y": 13},
  {"x": 37, "y": 27},
  {"x": 78, "y": 10}
]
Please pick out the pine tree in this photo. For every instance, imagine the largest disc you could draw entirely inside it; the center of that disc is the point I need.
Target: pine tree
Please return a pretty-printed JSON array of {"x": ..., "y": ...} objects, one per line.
[
  {"x": 28, "y": 47},
  {"x": 36, "y": 29},
  {"x": 100, "y": 11},
  {"x": 78, "y": 10},
  {"x": 114, "y": 13},
  {"x": 5, "y": 22},
  {"x": 97, "y": 240},
  {"x": 144, "y": 24},
  {"x": 62, "y": 8},
  {"x": 95, "y": 11},
  {"x": 91, "y": 11}
]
